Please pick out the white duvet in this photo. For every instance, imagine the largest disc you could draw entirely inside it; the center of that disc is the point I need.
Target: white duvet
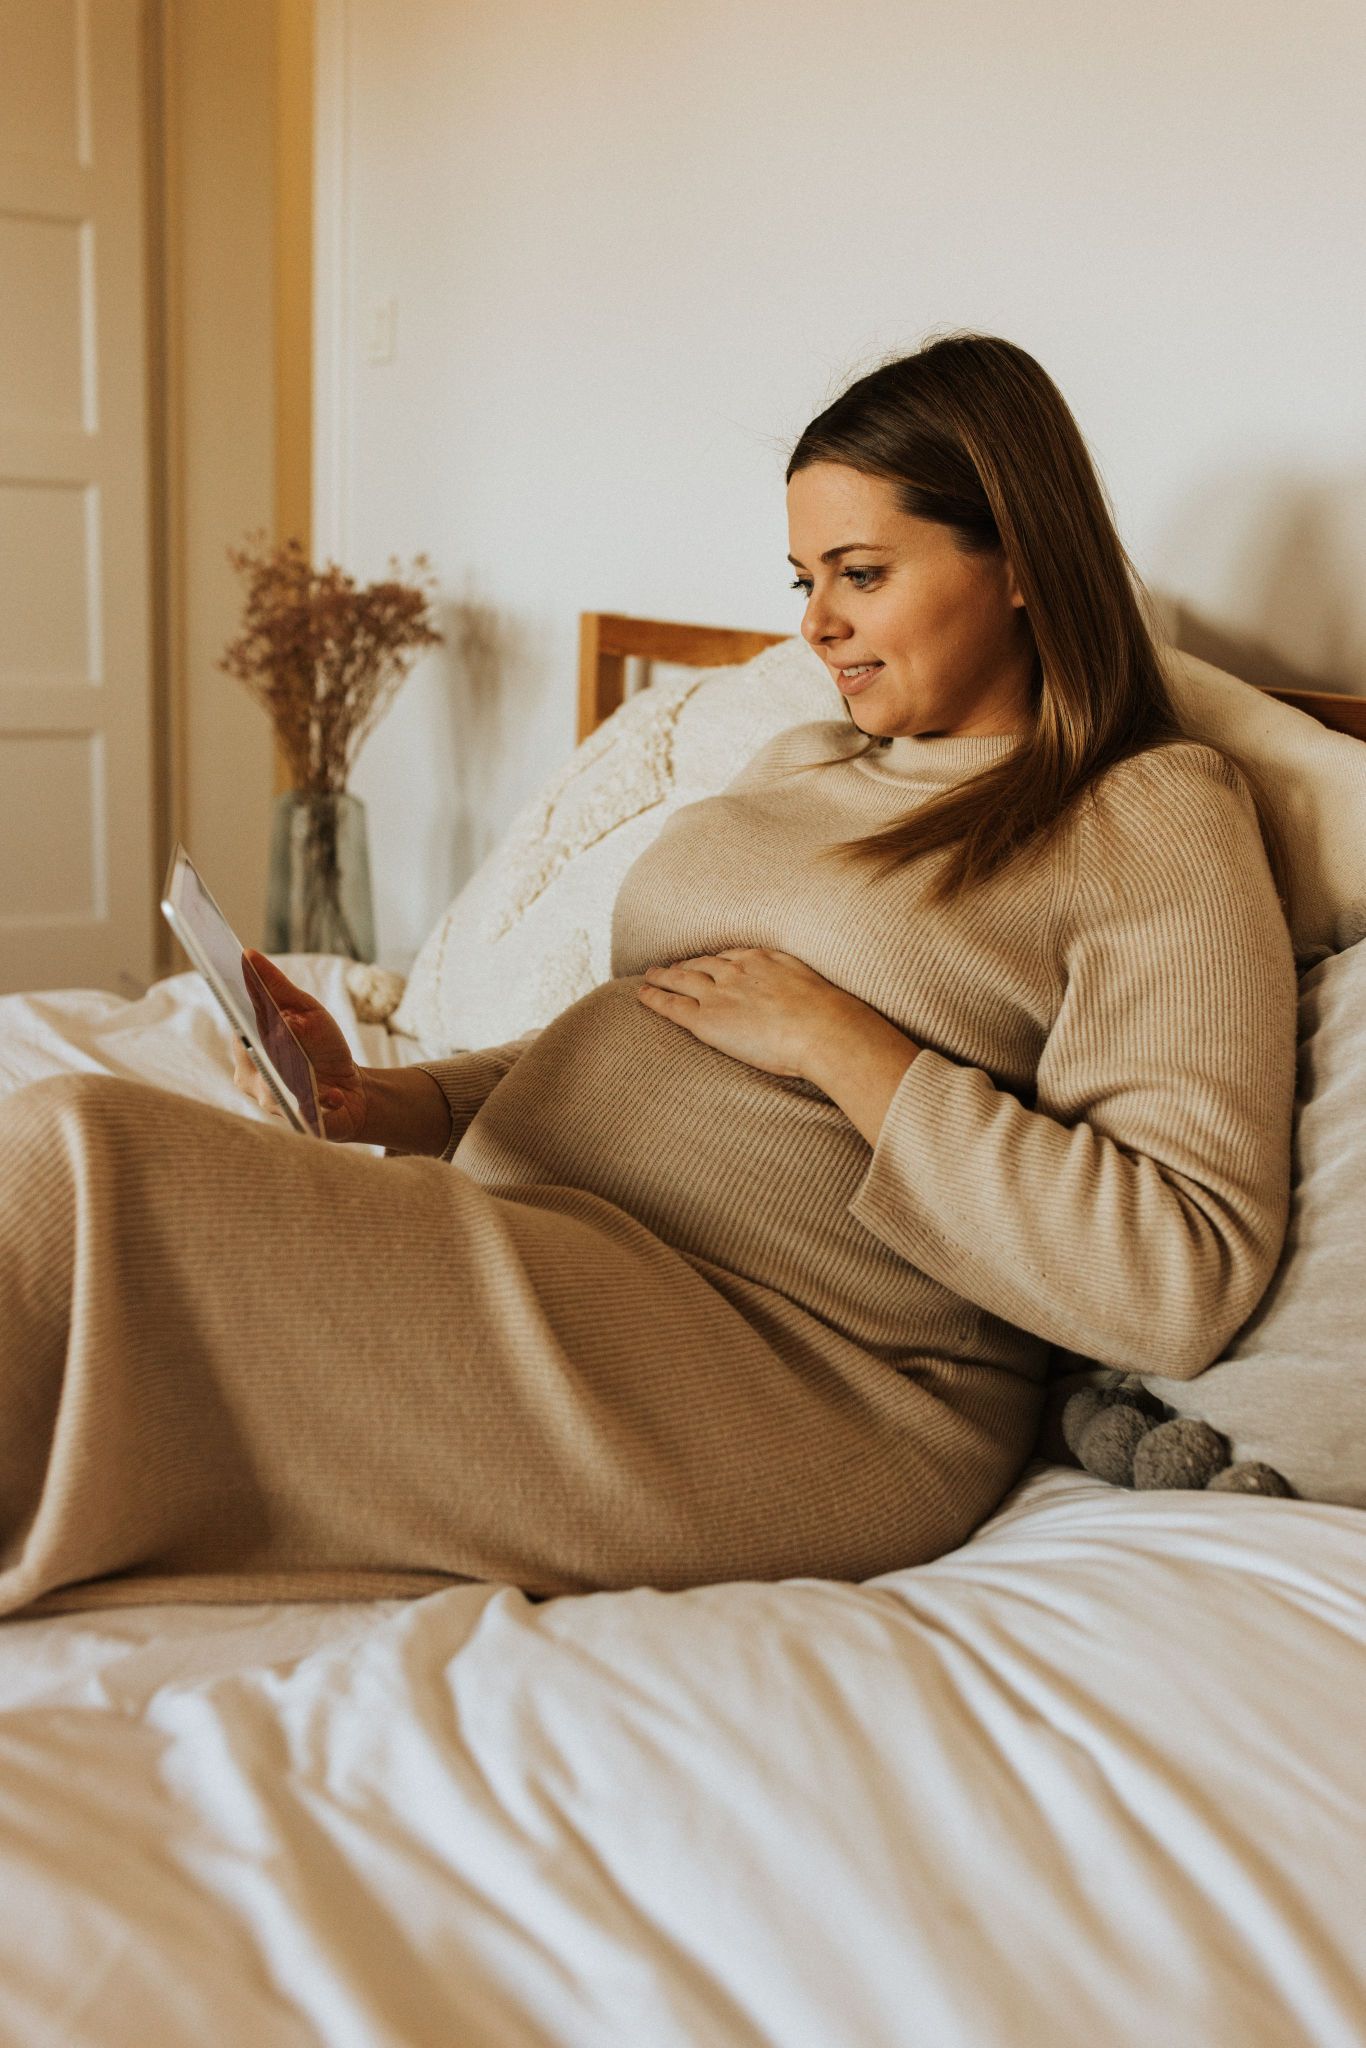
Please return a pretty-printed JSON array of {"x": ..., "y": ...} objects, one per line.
[
  {"x": 175, "y": 1036},
  {"x": 1095, "y": 1778}
]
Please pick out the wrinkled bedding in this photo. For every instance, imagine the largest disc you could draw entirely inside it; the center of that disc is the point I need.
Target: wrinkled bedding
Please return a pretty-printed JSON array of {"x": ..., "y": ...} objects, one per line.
[
  {"x": 175, "y": 1036},
  {"x": 1094, "y": 1778}
]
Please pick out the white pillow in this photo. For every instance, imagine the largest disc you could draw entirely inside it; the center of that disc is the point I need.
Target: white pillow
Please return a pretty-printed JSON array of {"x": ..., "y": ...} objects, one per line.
[
  {"x": 1290, "y": 1390},
  {"x": 531, "y": 930},
  {"x": 1317, "y": 779}
]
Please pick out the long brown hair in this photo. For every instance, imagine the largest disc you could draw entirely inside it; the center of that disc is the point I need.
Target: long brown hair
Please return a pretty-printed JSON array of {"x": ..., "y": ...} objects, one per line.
[{"x": 975, "y": 435}]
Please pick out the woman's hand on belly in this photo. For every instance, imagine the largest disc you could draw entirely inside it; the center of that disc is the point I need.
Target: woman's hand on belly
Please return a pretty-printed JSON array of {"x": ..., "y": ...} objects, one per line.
[{"x": 766, "y": 1008}]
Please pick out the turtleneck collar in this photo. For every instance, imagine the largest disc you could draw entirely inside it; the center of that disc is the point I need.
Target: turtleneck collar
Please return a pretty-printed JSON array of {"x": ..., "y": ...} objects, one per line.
[{"x": 946, "y": 759}]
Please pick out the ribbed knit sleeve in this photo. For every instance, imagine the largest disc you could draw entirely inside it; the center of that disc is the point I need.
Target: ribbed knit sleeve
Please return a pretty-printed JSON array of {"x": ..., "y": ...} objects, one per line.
[
  {"x": 467, "y": 1079},
  {"x": 1134, "y": 1214}
]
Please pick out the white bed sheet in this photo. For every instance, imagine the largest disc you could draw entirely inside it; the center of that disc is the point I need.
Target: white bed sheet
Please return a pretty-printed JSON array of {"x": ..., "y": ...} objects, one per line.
[
  {"x": 1095, "y": 1778},
  {"x": 175, "y": 1036}
]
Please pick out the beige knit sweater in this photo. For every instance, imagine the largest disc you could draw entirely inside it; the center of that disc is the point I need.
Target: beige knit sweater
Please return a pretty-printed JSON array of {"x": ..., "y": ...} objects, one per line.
[
  {"x": 1091, "y": 1152},
  {"x": 674, "y": 1321}
]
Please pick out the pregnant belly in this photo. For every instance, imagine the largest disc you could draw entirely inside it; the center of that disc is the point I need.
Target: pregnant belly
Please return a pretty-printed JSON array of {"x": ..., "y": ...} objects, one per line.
[{"x": 749, "y": 1170}]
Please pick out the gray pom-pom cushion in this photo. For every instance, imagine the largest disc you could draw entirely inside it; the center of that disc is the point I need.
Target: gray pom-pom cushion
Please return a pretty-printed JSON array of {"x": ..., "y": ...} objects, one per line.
[{"x": 1291, "y": 1388}]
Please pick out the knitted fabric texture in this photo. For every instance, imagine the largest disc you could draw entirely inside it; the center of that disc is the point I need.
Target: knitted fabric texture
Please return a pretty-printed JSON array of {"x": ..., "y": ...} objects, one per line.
[{"x": 663, "y": 1318}]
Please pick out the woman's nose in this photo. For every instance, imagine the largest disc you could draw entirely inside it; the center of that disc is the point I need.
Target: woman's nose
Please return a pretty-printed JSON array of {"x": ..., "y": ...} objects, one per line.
[{"x": 820, "y": 623}]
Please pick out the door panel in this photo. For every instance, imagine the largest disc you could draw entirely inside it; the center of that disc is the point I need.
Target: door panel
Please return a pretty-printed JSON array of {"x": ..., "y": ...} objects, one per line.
[{"x": 77, "y": 881}]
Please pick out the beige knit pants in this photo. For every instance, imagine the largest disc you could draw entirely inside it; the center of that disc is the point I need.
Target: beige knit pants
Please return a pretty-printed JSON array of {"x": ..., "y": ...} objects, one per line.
[{"x": 237, "y": 1364}]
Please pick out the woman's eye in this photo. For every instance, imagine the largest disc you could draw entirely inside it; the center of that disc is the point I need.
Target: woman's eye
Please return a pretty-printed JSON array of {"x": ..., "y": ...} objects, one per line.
[{"x": 803, "y": 582}]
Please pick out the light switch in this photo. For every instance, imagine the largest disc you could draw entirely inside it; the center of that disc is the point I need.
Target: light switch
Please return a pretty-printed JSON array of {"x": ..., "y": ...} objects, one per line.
[{"x": 381, "y": 328}]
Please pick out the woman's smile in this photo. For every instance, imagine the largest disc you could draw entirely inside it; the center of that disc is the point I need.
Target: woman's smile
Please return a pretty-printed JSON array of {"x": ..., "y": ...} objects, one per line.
[{"x": 851, "y": 680}]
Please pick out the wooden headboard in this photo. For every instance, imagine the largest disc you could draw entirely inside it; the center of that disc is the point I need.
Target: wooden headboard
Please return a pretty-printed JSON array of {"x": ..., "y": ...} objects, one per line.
[{"x": 608, "y": 639}]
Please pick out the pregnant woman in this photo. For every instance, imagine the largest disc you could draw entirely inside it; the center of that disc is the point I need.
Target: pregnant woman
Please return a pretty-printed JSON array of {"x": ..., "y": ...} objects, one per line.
[{"x": 955, "y": 1037}]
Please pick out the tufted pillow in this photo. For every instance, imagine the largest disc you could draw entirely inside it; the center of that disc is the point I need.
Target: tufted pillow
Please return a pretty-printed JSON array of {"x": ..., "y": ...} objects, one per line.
[
  {"x": 531, "y": 930},
  {"x": 1290, "y": 1389}
]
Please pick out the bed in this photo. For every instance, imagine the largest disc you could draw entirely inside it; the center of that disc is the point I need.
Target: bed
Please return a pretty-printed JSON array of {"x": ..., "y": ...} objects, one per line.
[{"x": 1091, "y": 1778}]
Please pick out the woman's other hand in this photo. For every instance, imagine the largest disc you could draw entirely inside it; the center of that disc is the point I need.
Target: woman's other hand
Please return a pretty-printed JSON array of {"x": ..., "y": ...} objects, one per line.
[
  {"x": 761, "y": 1006},
  {"x": 341, "y": 1083},
  {"x": 247, "y": 1079}
]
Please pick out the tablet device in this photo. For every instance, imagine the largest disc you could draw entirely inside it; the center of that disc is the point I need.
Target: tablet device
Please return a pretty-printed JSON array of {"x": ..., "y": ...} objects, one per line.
[{"x": 217, "y": 952}]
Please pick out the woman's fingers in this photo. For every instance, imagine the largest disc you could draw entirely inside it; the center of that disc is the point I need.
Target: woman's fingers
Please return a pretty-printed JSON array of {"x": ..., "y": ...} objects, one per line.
[
  {"x": 320, "y": 1036},
  {"x": 247, "y": 1079},
  {"x": 288, "y": 996}
]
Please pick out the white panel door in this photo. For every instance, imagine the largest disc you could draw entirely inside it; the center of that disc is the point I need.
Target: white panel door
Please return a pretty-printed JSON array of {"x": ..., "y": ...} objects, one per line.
[{"x": 77, "y": 882}]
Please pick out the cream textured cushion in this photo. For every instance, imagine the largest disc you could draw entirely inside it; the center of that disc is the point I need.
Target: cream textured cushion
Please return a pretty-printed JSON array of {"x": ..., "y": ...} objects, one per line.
[
  {"x": 1291, "y": 1388},
  {"x": 531, "y": 931},
  {"x": 1317, "y": 778}
]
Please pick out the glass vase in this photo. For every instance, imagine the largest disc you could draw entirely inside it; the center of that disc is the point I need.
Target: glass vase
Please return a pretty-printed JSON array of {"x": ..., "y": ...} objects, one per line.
[{"x": 318, "y": 894}]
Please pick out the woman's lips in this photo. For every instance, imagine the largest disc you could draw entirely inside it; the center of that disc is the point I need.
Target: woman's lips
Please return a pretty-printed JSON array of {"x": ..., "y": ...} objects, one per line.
[{"x": 851, "y": 685}]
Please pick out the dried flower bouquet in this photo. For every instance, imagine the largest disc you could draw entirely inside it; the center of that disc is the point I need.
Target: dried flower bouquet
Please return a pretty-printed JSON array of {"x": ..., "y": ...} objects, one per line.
[{"x": 325, "y": 657}]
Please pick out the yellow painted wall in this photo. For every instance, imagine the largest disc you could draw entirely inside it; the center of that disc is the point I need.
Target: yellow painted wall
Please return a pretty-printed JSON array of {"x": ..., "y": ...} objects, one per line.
[{"x": 234, "y": 149}]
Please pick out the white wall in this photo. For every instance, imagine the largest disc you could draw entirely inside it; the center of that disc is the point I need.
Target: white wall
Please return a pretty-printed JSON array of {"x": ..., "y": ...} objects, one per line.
[{"x": 634, "y": 249}]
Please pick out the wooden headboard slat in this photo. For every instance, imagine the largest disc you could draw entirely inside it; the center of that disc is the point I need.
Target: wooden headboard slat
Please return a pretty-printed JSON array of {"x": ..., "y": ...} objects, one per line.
[
  {"x": 1330, "y": 707},
  {"x": 606, "y": 639}
]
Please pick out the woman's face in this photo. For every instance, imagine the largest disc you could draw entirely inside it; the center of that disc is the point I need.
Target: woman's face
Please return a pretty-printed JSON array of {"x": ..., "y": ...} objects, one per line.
[{"x": 948, "y": 630}]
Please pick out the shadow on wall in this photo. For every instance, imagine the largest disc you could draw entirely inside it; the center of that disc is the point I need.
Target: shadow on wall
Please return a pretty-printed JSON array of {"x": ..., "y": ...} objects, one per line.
[
  {"x": 486, "y": 651},
  {"x": 1293, "y": 577}
]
